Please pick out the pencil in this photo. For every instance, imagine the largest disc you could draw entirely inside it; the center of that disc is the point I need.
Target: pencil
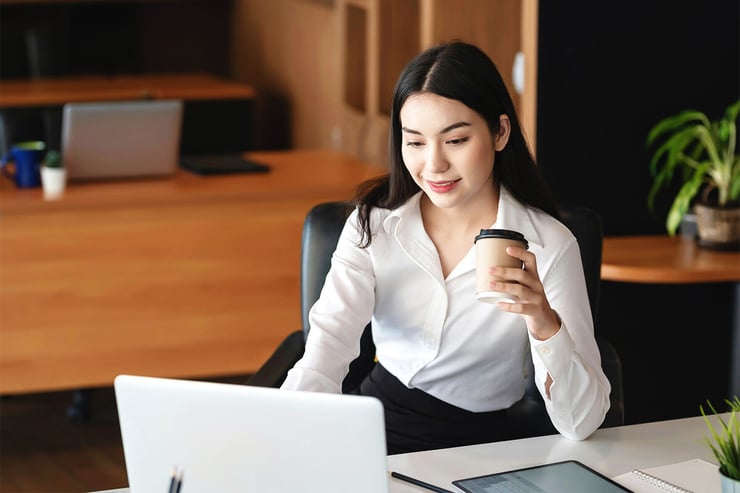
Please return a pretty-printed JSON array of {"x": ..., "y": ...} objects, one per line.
[
  {"x": 418, "y": 482},
  {"x": 173, "y": 481},
  {"x": 179, "y": 482}
]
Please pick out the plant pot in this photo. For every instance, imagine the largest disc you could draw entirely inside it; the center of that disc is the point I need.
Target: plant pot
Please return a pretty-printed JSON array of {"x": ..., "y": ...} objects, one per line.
[
  {"x": 53, "y": 181},
  {"x": 718, "y": 228},
  {"x": 729, "y": 485}
]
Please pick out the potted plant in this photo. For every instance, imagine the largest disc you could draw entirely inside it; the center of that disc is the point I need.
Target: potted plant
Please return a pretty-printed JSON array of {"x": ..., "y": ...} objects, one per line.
[
  {"x": 725, "y": 444},
  {"x": 53, "y": 175},
  {"x": 703, "y": 155}
]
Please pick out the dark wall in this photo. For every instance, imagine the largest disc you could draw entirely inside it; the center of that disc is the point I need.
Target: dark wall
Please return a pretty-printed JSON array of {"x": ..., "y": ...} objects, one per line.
[
  {"x": 607, "y": 72},
  {"x": 70, "y": 38},
  {"x": 122, "y": 37}
]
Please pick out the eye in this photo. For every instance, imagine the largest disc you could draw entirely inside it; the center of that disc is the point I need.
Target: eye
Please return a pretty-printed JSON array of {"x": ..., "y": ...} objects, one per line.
[
  {"x": 414, "y": 143},
  {"x": 459, "y": 141}
]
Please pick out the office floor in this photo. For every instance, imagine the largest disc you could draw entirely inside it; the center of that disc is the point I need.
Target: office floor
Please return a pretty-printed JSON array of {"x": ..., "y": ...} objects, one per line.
[{"x": 42, "y": 451}]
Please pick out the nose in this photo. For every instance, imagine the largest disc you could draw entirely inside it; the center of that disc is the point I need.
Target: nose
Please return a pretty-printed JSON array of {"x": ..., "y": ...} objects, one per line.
[{"x": 436, "y": 161}]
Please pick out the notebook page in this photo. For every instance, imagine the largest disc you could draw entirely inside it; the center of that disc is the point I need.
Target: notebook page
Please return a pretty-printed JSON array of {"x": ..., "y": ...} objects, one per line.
[{"x": 694, "y": 476}]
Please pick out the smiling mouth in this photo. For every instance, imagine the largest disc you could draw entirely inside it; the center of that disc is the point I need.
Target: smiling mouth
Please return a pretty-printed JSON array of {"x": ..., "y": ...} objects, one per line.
[
  {"x": 442, "y": 186},
  {"x": 443, "y": 183}
]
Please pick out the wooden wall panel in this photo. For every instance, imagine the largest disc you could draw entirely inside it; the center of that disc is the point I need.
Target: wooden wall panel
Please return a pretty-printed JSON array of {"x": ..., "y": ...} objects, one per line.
[
  {"x": 298, "y": 56},
  {"x": 398, "y": 43},
  {"x": 494, "y": 25},
  {"x": 289, "y": 51},
  {"x": 355, "y": 58}
]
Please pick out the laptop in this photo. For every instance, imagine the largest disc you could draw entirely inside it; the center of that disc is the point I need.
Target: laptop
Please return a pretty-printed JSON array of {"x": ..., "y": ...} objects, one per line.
[
  {"x": 121, "y": 139},
  {"x": 228, "y": 438}
]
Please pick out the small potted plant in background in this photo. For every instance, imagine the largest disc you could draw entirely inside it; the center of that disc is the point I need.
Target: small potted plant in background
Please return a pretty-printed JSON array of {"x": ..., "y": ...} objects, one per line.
[
  {"x": 725, "y": 444},
  {"x": 53, "y": 175},
  {"x": 703, "y": 155}
]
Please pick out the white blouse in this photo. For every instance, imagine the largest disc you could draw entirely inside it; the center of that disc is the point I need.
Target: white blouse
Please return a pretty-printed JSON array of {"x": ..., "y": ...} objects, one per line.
[{"x": 433, "y": 334}]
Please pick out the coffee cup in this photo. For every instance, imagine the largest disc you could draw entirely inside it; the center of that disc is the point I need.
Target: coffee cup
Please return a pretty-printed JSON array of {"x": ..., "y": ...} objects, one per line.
[
  {"x": 26, "y": 157},
  {"x": 490, "y": 251}
]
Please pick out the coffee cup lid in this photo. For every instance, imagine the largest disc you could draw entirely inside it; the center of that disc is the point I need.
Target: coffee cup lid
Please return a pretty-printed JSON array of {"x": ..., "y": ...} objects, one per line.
[{"x": 506, "y": 234}]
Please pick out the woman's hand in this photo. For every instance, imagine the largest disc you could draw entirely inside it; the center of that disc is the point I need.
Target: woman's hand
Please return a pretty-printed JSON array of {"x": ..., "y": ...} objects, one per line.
[{"x": 525, "y": 287}]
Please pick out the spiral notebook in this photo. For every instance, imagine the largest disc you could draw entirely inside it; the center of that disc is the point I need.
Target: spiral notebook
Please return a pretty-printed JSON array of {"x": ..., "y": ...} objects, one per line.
[{"x": 691, "y": 476}]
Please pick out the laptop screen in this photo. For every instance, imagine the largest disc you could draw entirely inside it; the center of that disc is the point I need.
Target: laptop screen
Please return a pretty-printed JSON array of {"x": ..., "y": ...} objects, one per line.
[{"x": 121, "y": 139}]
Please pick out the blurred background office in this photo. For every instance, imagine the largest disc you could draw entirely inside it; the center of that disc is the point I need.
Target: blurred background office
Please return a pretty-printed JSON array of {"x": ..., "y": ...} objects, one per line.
[{"x": 598, "y": 75}]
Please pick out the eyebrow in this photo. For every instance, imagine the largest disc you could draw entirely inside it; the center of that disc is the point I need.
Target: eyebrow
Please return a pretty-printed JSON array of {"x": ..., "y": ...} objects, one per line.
[{"x": 448, "y": 128}]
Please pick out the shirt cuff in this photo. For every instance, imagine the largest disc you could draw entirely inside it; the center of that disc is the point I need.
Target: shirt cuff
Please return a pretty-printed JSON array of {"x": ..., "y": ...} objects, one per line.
[
  {"x": 554, "y": 353},
  {"x": 310, "y": 380}
]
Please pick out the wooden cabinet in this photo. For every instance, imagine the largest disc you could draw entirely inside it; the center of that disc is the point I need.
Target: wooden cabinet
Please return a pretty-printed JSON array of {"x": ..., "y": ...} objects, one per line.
[{"x": 381, "y": 36}]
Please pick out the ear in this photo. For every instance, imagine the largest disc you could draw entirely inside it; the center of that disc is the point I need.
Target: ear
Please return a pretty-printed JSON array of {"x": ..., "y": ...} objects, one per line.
[{"x": 504, "y": 131}]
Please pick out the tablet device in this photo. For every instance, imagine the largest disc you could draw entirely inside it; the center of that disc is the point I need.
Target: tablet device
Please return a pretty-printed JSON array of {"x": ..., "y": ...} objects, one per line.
[
  {"x": 570, "y": 475},
  {"x": 220, "y": 164}
]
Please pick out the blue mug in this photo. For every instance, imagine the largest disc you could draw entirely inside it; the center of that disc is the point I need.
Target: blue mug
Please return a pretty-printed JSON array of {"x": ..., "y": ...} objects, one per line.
[{"x": 27, "y": 157}]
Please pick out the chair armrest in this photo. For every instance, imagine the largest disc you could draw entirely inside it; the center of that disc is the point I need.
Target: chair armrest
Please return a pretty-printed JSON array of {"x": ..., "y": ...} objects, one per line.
[
  {"x": 275, "y": 369},
  {"x": 612, "y": 366},
  {"x": 528, "y": 417}
]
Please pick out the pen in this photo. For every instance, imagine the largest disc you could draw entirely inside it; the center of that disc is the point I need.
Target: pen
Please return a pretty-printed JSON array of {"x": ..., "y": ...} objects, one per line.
[
  {"x": 418, "y": 482},
  {"x": 175, "y": 481}
]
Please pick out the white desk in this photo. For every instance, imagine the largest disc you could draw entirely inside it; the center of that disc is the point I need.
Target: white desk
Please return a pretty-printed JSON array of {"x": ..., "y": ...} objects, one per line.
[{"x": 611, "y": 451}]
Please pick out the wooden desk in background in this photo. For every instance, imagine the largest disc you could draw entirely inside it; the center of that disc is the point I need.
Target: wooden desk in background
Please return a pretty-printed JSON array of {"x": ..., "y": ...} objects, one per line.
[
  {"x": 666, "y": 260},
  {"x": 675, "y": 260},
  {"x": 58, "y": 91},
  {"x": 184, "y": 277},
  {"x": 218, "y": 114}
]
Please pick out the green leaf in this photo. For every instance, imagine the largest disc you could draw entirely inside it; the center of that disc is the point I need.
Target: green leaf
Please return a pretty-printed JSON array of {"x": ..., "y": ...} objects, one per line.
[
  {"x": 724, "y": 440},
  {"x": 698, "y": 152},
  {"x": 53, "y": 159},
  {"x": 673, "y": 122},
  {"x": 735, "y": 180},
  {"x": 732, "y": 111}
]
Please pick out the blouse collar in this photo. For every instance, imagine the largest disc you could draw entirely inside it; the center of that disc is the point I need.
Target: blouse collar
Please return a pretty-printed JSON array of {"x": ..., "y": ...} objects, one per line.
[{"x": 512, "y": 214}]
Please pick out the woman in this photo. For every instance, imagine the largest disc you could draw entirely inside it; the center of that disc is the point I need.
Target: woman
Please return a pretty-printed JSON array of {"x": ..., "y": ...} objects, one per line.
[{"x": 450, "y": 366}]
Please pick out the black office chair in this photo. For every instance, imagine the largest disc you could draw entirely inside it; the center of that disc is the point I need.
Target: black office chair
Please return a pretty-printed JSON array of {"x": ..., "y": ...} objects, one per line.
[{"x": 321, "y": 230}]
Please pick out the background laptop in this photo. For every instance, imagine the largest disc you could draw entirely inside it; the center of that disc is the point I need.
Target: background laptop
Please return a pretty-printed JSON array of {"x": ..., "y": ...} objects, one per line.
[
  {"x": 226, "y": 437},
  {"x": 121, "y": 139}
]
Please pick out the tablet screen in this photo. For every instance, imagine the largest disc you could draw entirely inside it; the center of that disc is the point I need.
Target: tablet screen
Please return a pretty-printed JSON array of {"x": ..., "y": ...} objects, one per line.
[{"x": 566, "y": 476}]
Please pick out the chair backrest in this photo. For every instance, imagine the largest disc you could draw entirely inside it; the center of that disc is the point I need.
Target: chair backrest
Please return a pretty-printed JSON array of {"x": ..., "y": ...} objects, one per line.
[
  {"x": 321, "y": 231},
  {"x": 587, "y": 227}
]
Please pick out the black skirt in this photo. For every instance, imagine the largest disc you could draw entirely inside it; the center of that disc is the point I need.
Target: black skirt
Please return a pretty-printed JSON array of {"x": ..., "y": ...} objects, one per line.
[{"x": 416, "y": 421}]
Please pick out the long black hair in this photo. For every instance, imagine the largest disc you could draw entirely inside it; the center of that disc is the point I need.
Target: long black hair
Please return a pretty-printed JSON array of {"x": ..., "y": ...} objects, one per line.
[{"x": 463, "y": 72}]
